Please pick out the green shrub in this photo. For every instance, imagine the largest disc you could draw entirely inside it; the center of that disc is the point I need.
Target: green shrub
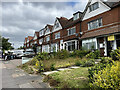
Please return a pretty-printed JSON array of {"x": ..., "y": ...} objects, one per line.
[
  {"x": 79, "y": 53},
  {"x": 62, "y": 54},
  {"x": 77, "y": 63},
  {"x": 94, "y": 55},
  {"x": 113, "y": 54},
  {"x": 87, "y": 63},
  {"x": 97, "y": 68},
  {"x": 43, "y": 56},
  {"x": 52, "y": 67},
  {"x": 108, "y": 78},
  {"x": 105, "y": 60},
  {"x": 33, "y": 61},
  {"x": 39, "y": 66}
]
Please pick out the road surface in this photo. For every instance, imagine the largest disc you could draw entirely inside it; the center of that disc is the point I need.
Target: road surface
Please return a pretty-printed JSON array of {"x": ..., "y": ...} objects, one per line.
[{"x": 13, "y": 77}]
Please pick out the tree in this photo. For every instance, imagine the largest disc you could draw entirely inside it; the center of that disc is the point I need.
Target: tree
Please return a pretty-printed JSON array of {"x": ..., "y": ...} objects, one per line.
[{"x": 6, "y": 45}]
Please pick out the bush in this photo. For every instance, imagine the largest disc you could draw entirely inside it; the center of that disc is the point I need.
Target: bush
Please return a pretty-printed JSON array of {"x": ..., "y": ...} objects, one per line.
[
  {"x": 43, "y": 56},
  {"x": 62, "y": 54},
  {"x": 39, "y": 66},
  {"x": 52, "y": 67},
  {"x": 88, "y": 63},
  {"x": 77, "y": 63},
  {"x": 79, "y": 53},
  {"x": 94, "y": 55},
  {"x": 105, "y": 60},
  {"x": 108, "y": 78},
  {"x": 33, "y": 61},
  {"x": 113, "y": 54},
  {"x": 97, "y": 68}
]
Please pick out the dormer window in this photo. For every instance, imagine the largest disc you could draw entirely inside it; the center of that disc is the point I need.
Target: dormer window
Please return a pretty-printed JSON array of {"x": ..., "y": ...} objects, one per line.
[
  {"x": 94, "y": 6},
  {"x": 47, "y": 30},
  {"x": 41, "y": 32},
  {"x": 76, "y": 16},
  {"x": 56, "y": 25}
]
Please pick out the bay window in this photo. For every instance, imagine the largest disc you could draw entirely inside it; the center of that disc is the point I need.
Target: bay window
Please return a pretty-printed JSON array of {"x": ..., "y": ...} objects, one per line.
[{"x": 71, "y": 46}]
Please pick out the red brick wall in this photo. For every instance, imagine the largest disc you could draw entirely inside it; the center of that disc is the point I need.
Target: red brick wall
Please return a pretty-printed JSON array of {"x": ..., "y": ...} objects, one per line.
[
  {"x": 108, "y": 17},
  {"x": 65, "y": 32}
]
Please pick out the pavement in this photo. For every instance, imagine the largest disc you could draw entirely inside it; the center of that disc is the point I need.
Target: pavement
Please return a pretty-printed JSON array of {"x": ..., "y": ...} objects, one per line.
[{"x": 13, "y": 77}]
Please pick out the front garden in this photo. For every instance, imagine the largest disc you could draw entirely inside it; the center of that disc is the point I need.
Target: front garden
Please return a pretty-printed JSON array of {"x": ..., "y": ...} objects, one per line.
[{"x": 103, "y": 74}]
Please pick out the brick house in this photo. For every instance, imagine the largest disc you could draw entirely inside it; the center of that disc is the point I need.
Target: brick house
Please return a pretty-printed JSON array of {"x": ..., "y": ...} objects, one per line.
[
  {"x": 27, "y": 43},
  {"x": 40, "y": 40},
  {"x": 97, "y": 27},
  {"x": 46, "y": 40},
  {"x": 101, "y": 26},
  {"x": 71, "y": 33},
  {"x": 58, "y": 33}
]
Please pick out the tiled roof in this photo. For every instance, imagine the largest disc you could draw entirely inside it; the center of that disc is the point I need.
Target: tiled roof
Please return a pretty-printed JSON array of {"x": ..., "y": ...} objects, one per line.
[
  {"x": 99, "y": 32},
  {"x": 30, "y": 38},
  {"x": 50, "y": 27},
  {"x": 37, "y": 34},
  {"x": 63, "y": 21}
]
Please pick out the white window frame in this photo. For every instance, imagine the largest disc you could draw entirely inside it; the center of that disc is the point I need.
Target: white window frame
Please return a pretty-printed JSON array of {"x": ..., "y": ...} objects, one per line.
[
  {"x": 92, "y": 7},
  {"x": 40, "y": 41},
  {"x": 57, "y": 35},
  {"x": 95, "y": 24},
  {"x": 72, "y": 32},
  {"x": 88, "y": 42},
  {"x": 47, "y": 38}
]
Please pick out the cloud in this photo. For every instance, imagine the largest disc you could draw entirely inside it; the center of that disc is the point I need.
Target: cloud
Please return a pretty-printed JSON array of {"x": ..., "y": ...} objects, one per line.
[{"x": 23, "y": 19}]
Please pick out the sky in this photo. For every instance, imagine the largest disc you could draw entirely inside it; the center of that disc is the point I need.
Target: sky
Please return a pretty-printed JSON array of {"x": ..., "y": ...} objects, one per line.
[{"x": 22, "y": 19}]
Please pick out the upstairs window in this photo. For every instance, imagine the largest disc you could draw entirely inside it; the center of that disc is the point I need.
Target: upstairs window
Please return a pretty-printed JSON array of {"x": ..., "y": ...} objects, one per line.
[
  {"x": 47, "y": 38},
  {"x": 57, "y": 35},
  {"x": 94, "y": 6},
  {"x": 71, "y": 31},
  {"x": 47, "y": 30},
  {"x": 76, "y": 16},
  {"x": 95, "y": 24},
  {"x": 40, "y": 41},
  {"x": 56, "y": 25},
  {"x": 41, "y": 32}
]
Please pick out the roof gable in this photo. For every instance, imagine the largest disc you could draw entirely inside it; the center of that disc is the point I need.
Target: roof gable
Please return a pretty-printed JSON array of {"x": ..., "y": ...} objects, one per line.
[
  {"x": 36, "y": 35},
  {"x": 48, "y": 29},
  {"x": 60, "y": 23},
  {"x": 101, "y": 9}
]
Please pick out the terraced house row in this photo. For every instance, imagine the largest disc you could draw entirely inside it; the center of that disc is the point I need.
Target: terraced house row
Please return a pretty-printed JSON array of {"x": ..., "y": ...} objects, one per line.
[{"x": 97, "y": 27}]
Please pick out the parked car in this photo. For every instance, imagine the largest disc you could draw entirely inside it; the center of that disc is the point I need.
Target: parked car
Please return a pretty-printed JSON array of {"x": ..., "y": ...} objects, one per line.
[
  {"x": 18, "y": 53},
  {"x": 28, "y": 53}
]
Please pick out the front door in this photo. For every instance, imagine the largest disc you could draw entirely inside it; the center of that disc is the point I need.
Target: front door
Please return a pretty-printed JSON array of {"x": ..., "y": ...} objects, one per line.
[
  {"x": 101, "y": 45},
  {"x": 109, "y": 47},
  {"x": 118, "y": 40}
]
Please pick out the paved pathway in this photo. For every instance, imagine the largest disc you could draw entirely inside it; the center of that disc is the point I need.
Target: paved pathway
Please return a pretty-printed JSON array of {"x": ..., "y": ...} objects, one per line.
[
  {"x": 61, "y": 69},
  {"x": 13, "y": 77}
]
